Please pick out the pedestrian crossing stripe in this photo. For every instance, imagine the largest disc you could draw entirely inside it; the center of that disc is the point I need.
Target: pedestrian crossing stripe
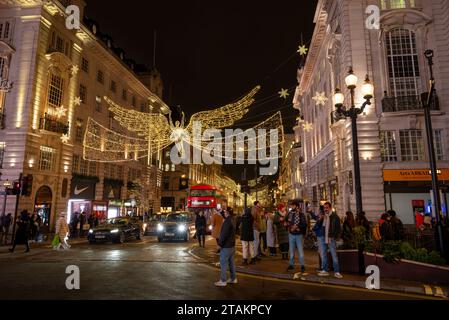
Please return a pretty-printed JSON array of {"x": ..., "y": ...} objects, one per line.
[{"x": 438, "y": 291}]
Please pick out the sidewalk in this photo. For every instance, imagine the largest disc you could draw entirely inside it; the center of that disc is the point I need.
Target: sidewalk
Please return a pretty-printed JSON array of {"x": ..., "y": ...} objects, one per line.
[{"x": 275, "y": 267}]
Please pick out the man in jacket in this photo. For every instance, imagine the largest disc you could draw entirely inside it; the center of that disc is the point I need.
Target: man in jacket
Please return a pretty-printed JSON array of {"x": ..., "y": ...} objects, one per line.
[
  {"x": 226, "y": 242},
  {"x": 331, "y": 231},
  {"x": 256, "y": 213},
  {"x": 247, "y": 237},
  {"x": 398, "y": 226},
  {"x": 297, "y": 227}
]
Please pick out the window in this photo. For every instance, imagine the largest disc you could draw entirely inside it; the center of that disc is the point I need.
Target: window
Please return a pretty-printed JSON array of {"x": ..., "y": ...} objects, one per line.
[
  {"x": 79, "y": 130},
  {"x": 166, "y": 184},
  {"x": 56, "y": 91},
  {"x": 403, "y": 65},
  {"x": 438, "y": 143},
  {"x": 46, "y": 158},
  {"x": 85, "y": 65},
  {"x": 100, "y": 76},
  {"x": 125, "y": 95},
  {"x": 411, "y": 145},
  {"x": 133, "y": 101},
  {"x": 75, "y": 163},
  {"x": 113, "y": 86},
  {"x": 388, "y": 146},
  {"x": 397, "y": 4},
  {"x": 98, "y": 103},
  {"x": 83, "y": 93},
  {"x": 5, "y": 29},
  {"x": 120, "y": 172},
  {"x": 173, "y": 168},
  {"x": 58, "y": 44},
  {"x": 167, "y": 167},
  {"x": 3, "y": 68},
  {"x": 93, "y": 169},
  {"x": 2, "y": 153},
  {"x": 143, "y": 107},
  {"x": 84, "y": 167}
]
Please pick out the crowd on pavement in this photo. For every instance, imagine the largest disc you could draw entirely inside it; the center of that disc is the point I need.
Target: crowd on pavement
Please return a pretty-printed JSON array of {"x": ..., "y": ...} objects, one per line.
[{"x": 284, "y": 230}]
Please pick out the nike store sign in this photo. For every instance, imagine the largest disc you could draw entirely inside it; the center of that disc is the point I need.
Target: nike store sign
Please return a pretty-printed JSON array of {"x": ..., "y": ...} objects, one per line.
[{"x": 82, "y": 189}]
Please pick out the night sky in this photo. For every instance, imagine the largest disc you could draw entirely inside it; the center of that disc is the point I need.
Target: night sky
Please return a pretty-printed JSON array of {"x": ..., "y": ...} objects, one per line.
[{"x": 211, "y": 53}]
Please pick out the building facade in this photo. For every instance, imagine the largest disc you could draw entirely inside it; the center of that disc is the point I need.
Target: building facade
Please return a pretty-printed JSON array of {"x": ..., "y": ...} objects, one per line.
[
  {"x": 60, "y": 77},
  {"x": 391, "y": 131}
]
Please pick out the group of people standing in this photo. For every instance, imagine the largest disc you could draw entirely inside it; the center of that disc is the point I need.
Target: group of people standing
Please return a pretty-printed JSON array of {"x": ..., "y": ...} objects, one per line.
[{"x": 81, "y": 222}]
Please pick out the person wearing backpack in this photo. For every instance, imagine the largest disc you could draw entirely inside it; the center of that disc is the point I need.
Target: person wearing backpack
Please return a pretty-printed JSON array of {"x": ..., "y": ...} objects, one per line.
[
  {"x": 331, "y": 228},
  {"x": 297, "y": 227}
]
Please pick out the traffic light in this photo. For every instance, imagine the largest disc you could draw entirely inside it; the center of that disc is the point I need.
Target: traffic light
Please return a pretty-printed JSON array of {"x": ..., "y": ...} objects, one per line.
[
  {"x": 16, "y": 187},
  {"x": 27, "y": 185}
]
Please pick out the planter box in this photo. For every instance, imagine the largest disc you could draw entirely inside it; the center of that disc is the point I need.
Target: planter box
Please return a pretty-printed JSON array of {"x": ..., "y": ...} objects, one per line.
[{"x": 402, "y": 270}]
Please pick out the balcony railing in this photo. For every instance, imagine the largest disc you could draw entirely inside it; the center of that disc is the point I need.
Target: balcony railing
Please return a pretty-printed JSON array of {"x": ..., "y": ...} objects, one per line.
[
  {"x": 335, "y": 117},
  {"x": 408, "y": 103},
  {"x": 49, "y": 123}
]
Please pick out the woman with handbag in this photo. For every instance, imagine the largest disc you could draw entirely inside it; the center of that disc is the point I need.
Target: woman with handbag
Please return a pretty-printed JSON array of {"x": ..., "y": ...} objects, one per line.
[{"x": 62, "y": 231}]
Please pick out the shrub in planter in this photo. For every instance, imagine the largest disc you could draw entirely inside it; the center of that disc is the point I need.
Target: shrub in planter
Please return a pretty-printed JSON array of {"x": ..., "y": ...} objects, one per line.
[
  {"x": 391, "y": 251},
  {"x": 407, "y": 251},
  {"x": 435, "y": 258}
]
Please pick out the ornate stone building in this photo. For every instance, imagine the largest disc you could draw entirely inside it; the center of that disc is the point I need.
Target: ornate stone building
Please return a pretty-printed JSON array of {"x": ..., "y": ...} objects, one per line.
[
  {"x": 60, "y": 77},
  {"x": 392, "y": 136}
]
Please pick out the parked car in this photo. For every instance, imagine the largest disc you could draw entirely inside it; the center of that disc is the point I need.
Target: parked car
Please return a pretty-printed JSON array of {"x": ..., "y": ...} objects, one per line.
[
  {"x": 176, "y": 226},
  {"x": 116, "y": 230},
  {"x": 151, "y": 224}
]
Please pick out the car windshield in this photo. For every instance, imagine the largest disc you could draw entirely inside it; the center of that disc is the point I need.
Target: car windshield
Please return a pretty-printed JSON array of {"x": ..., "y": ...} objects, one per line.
[
  {"x": 117, "y": 221},
  {"x": 176, "y": 218}
]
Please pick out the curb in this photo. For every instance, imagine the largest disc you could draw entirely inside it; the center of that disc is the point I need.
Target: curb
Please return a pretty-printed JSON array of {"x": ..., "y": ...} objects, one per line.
[{"x": 311, "y": 278}]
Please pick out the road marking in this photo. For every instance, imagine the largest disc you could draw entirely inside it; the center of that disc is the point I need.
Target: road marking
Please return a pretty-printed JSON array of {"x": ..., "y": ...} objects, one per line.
[
  {"x": 439, "y": 292},
  {"x": 428, "y": 290}
]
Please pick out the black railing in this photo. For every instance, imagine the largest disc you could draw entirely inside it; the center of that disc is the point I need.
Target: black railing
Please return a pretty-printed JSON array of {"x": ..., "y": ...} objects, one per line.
[
  {"x": 408, "y": 103},
  {"x": 49, "y": 123},
  {"x": 335, "y": 117}
]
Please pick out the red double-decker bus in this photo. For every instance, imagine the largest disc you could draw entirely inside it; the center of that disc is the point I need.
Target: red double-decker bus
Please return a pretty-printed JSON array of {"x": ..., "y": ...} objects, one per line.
[{"x": 205, "y": 197}]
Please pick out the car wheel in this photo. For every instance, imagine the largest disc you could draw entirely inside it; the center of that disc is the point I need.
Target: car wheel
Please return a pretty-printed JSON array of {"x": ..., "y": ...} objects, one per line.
[
  {"x": 159, "y": 239},
  {"x": 122, "y": 238}
]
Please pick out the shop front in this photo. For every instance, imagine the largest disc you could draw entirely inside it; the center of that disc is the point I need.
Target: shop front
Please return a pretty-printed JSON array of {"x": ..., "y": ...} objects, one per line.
[
  {"x": 404, "y": 189},
  {"x": 112, "y": 194},
  {"x": 82, "y": 200}
]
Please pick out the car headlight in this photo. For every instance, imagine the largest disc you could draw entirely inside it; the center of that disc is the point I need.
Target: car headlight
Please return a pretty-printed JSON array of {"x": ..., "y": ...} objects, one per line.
[
  {"x": 160, "y": 227},
  {"x": 115, "y": 231},
  {"x": 91, "y": 231},
  {"x": 182, "y": 228},
  {"x": 144, "y": 226}
]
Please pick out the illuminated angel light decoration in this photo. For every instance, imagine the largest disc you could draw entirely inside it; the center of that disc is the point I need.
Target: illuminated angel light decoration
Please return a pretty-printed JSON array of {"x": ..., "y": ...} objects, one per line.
[{"x": 153, "y": 131}]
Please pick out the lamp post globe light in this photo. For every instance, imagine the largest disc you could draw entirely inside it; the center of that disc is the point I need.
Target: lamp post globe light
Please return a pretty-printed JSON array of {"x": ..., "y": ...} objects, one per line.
[{"x": 352, "y": 112}]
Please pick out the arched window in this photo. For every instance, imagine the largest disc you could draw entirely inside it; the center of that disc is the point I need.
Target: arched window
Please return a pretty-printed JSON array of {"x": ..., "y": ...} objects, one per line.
[{"x": 403, "y": 66}]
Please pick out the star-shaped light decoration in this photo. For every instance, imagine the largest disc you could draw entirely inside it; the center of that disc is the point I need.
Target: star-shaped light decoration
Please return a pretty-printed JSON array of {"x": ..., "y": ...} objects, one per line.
[
  {"x": 308, "y": 127},
  {"x": 302, "y": 50},
  {"x": 77, "y": 101},
  {"x": 65, "y": 138},
  {"x": 320, "y": 98},
  {"x": 283, "y": 93},
  {"x": 75, "y": 69},
  {"x": 61, "y": 112}
]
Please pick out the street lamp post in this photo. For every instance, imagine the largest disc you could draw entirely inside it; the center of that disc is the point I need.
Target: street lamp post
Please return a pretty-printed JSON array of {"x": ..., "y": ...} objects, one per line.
[
  {"x": 431, "y": 149},
  {"x": 353, "y": 112}
]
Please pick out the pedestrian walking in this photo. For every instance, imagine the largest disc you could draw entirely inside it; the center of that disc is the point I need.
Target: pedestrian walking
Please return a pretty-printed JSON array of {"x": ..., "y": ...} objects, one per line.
[
  {"x": 82, "y": 222},
  {"x": 6, "y": 225},
  {"x": 271, "y": 235},
  {"x": 200, "y": 226},
  {"x": 226, "y": 242},
  {"x": 328, "y": 241},
  {"x": 247, "y": 237},
  {"x": 216, "y": 222},
  {"x": 297, "y": 227},
  {"x": 62, "y": 231},
  {"x": 22, "y": 232},
  {"x": 386, "y": 228},
  {"x": 256, "y": 213},
  {"x": 281, "y": 230},
  {"x": 263, "y": 233},
  {"x": 398, "y": 226},
  {"x": 74, "y": 224},
  {"x": 2, "y": 219}
]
